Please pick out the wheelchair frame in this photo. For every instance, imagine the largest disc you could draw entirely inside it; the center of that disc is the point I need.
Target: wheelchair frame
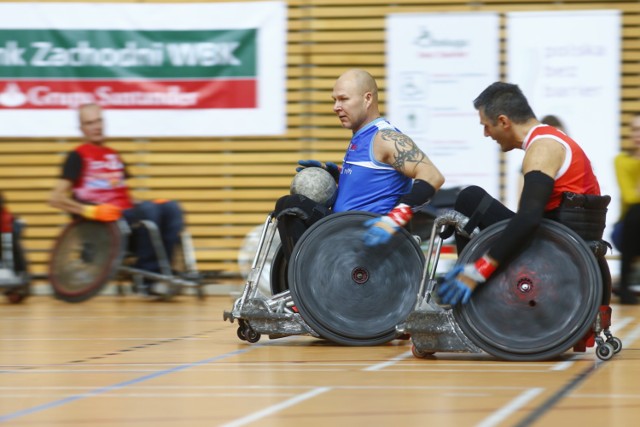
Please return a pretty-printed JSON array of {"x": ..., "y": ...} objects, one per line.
[
  {"x": 15, "y": 285},
  {"x": 258, "y": 314},
  {"x": 189, "y": 278},
  {"x": 433, "y": 327}
]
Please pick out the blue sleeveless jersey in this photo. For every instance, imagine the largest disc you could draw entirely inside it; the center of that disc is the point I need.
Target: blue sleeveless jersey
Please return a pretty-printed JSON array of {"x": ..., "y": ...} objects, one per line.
[{"x": 366, "y": 184}]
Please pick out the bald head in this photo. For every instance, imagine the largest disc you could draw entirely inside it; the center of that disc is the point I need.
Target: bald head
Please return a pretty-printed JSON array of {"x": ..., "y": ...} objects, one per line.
[
  {"x": 90, "y": 116},
  {"x": 355, "y": 96},
  {"x": 361, "y": 81}
]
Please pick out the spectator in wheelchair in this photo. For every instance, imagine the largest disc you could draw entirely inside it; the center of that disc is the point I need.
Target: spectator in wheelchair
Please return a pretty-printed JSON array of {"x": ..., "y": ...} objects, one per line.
[
  {"x": 559, "y": 184},
  {"x": 627, "y": 230},
  {"x": 11, "y": 226},
  {"x": 383, "y": 170},
  {"x": 93, "y": 186}
]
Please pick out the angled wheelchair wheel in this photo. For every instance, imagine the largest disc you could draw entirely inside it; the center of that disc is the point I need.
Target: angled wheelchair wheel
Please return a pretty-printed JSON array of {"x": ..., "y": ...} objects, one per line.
[
  {"x": 279, "y": 282},
  {"x": 349, "y": 293},
  {"x": 539, "y": 304},
  {"x": 85, "y": 257}
]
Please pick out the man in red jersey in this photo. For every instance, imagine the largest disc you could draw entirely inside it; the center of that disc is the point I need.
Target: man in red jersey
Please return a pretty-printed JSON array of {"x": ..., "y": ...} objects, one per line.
[
  {"x": 93, "y": 185},
  {"x": 553, "y": 165}
]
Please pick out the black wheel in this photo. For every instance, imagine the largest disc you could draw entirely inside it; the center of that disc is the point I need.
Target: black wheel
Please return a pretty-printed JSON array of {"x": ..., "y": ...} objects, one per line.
[
  {"x": 542, "y": 302},
  {"x": 251, "y": 335},
  {"x": 419, "y": 353},
  {"x": 605, "y": 351},
  {"x": 616, "y": 343},
  {"x": 240, "y": 333},
  {"x": 85, "y": 257},
  {"x": 349, "y": 293}
]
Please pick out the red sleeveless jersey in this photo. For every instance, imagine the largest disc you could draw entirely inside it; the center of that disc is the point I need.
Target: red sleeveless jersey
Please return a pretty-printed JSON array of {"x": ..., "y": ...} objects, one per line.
[
  {"x": 575, "y": 175},
  {"x": 103, "y": 177}
]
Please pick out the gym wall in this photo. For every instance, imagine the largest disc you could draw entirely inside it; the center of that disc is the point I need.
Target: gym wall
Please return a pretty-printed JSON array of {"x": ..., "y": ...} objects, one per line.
[{"x": 229, "y": 191}]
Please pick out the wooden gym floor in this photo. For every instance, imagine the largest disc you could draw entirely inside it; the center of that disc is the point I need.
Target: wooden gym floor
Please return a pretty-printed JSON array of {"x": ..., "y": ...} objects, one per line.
[{"x": 125, "y": 361}]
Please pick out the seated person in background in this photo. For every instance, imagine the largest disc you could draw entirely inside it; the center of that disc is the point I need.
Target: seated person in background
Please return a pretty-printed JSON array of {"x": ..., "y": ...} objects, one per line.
[
  {"x": 383, "y": 170},
  {"x": 626, "y": 234},
  {"x": 553, "y": 164},
  {"x": 10, "y": 225},
  {"x": 554, "y": 121},
  {"x": 92, "y": 185}
]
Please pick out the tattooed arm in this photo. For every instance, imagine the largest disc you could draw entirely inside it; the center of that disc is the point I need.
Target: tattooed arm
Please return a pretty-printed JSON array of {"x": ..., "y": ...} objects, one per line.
[{"x": 399, "y": 151}]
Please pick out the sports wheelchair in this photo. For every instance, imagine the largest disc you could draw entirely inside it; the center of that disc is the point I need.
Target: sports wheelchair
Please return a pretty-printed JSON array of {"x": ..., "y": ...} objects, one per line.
[
  {"x": 89, "y": 254},
  {"x": 552, "y": 297},
  {"x": 15, "y": 280}
]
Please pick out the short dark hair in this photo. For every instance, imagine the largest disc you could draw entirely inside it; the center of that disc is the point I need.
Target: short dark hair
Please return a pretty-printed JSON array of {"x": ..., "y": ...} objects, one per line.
[
  {"x": 504, "y": 98},
  {"x": 552, "y": 120}
]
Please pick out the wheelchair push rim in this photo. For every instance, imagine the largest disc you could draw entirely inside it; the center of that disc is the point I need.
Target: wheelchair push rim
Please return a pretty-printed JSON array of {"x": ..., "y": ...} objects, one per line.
[
  {"x": 541, "y": 303},
  {"x": 85, "y": 257},
  {"x": 348, "y": 293}
]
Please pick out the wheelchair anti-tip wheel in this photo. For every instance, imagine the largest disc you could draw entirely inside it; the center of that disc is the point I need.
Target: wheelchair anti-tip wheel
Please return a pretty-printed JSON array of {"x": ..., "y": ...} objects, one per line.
[
  {"x": 85, "y": 257},
  {"x": 541, "y": 303},
  {"x": 347, "y": 292}
]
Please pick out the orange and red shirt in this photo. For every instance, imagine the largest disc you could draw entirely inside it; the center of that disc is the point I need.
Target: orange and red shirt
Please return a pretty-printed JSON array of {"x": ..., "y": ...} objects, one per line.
[
  {"x": 575, "y": 175},
  {"x": 98, "y": 175}
]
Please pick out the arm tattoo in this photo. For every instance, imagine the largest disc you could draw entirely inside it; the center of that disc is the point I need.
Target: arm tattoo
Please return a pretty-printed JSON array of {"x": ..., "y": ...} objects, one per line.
[{"x": 406, "y": 151}]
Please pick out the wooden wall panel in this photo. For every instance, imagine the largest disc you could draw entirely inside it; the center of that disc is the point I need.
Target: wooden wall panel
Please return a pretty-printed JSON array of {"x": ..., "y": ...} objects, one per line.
[{"x": 228, "y": 185}]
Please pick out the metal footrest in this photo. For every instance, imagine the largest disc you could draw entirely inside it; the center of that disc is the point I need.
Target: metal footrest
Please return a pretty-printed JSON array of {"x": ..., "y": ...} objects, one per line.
[
  {"x": 263, "y": 317},
  {"x": 437, "y": 331}
]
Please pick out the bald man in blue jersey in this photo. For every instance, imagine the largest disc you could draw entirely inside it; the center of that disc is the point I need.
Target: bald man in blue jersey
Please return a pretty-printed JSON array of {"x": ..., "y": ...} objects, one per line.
[{"x": 383, "y": 170}]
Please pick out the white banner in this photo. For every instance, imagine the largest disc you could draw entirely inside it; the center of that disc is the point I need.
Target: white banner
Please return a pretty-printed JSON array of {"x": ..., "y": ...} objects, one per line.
[
  {"x": 437, "y": 64},
  {"x": 568, "y": 64},
  {"x": 188, "y": 69}
]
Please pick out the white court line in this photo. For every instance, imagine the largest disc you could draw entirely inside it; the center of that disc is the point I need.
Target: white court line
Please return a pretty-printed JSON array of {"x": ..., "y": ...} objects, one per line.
[
  {"x": 511, "y": 407},
  {"x": 563, "y": 366},
  {"x": 275, "y": 408},
  {"x": 620, "y": 324},
  {"x": 390, "y": 362},
  {"x": 616, "y": 326},
  {"x": 631, "y": 337},
  {"x": 279, "y": 387}
]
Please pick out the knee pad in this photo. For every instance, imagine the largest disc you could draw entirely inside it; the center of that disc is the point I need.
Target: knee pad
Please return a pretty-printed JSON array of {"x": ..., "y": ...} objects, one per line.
[{"x": 469, "y": 199}]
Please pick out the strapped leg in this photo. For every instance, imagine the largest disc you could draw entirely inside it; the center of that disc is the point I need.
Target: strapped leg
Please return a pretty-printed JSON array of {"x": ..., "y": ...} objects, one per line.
[{"x": 481, "y": 209}]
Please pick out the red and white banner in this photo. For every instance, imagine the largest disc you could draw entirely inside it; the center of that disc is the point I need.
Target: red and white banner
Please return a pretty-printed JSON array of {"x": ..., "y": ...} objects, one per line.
[{"x": 156, "y": 69}]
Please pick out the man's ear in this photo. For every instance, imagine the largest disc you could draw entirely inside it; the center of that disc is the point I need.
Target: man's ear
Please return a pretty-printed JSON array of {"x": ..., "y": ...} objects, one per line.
[
  {"x": 504, "y": 121},
  {"x": 368, "y": 97}
]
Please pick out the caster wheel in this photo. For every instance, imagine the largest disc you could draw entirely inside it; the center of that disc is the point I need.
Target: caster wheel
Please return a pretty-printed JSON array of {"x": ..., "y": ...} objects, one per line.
[
  {"x": 251, "y": 335},
  {"x": 420, "y": 354},
  {"x": 605, "y": 351},
  {"x": 616, "y": 343},
  {"x": 240, "y": 333},
  {"x": 15, "y": 297}
]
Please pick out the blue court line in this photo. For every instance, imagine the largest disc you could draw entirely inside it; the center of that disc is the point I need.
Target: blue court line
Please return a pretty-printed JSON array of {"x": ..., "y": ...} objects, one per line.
[{"x": 102, "y": 390}]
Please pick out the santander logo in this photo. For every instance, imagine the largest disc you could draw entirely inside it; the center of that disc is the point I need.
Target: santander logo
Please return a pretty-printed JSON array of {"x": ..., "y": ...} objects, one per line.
[{"x": 12, "y": 96}]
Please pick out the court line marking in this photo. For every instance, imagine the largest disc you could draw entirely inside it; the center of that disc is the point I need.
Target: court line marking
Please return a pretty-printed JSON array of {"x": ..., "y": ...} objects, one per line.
[
  {"x": 389, "y": 362},
  {"x": 630, "y": 337},
  {"x": 106, "y": 389},
  {"x": 276, "y": 408},
  {"x": 537, "y": 366},
  {"x": 563, "y": 366},
  {"x": 622, "y": 323},
  {"x": 511, "y": 407},
  {"x": 554, "y": 399}
]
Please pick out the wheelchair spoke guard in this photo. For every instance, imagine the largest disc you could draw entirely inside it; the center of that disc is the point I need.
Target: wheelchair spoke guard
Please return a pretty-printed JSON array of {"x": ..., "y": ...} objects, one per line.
[
  {"x": 541, "y": 303},
  {"x": 348, "y": 293},
  {"x": 85, "y": 257}
]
